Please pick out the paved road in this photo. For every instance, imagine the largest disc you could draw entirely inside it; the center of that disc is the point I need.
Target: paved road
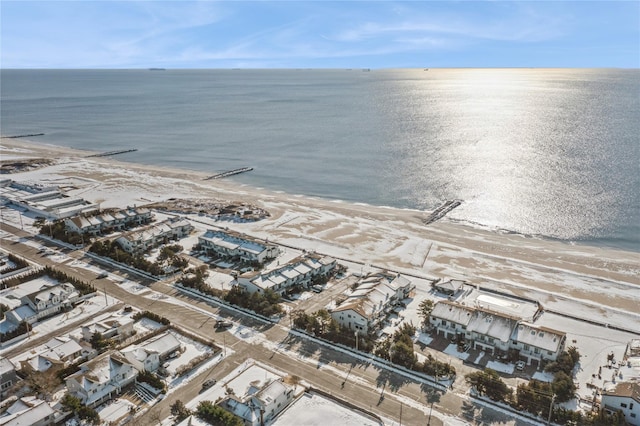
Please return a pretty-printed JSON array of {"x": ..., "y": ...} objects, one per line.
[{"x": 328, "y": 369}]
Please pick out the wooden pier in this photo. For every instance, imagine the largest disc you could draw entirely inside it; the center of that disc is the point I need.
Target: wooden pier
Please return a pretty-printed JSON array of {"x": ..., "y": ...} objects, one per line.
[
  {"x": 442, "y": 211},
  {"x": 229, "y": 173},
  {"x": 108, "y": 153},
  {"x": 23, "y": 136}
]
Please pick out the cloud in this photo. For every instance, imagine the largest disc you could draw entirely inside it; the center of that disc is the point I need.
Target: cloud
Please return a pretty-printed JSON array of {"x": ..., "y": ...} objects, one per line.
[{"x": 301, "y": 33}]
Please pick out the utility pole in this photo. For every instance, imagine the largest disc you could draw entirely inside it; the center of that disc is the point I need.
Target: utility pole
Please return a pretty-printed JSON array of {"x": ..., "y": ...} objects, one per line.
[
  {"x": 430, "y": 410},
  {"x": 553, "y": 398},
  {"x": 400, "y": 414}
]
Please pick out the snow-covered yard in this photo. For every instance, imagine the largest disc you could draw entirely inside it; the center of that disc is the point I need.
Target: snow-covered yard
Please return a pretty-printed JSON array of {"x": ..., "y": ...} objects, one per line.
[{"x": 312, "y": 409}]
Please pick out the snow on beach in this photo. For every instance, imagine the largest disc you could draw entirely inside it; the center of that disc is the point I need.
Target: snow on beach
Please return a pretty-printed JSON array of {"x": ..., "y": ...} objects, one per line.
[{"x": 593, "y": 283}]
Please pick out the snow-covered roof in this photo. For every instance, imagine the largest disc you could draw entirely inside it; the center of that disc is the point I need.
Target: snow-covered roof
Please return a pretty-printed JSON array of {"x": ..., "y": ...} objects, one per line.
[
  {"x": 451, "y": 285},
  {"x": 492, "y": 325},
  {"x": 163, "y": 344},
  {"x": 540, "y": 337},
  {"x": 26, "y": 411},
  {"x": 272, "y": 391},
  {"x": 6, "y": 366},
  {"x": 454, "y": 312}
]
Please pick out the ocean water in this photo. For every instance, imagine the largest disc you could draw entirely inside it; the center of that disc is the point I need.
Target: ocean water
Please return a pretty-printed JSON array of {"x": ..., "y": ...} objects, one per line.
[{"x": 548, "y": 152}]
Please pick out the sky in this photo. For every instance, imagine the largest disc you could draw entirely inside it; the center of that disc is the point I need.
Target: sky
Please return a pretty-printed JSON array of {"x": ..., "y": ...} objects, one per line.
[{"x": 318, "y": 34}]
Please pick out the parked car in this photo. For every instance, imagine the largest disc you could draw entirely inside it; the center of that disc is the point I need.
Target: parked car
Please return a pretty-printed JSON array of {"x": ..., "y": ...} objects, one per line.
[
  {"x": 102, "y": 275},
  {"x": 221, "y": 324},
  {"x": 520, "y": 365},
  {"x": 208, "y": 383}
]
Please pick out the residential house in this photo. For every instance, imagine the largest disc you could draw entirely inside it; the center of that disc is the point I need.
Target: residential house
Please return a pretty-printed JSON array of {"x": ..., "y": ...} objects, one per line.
[
  {"x": 101, "y": 379},
  {"x": 496, "y": 333},
  {"x": 149, "y": 355},
  {"x": 299, "y": 272},
  {"x": 261, "y": 404},
  {"x": 59, "y": 351},
  {"x": 372, "y": 301},
  {"x": 29, "y": 411},
  {"x": 144, "y": 239},
  {"x": 536, "y": 343},
  {"x": 450, "y": 288},
  {"x": 451, "y": 319},
  {"x": 625, "y": 397},
  {"x": 108, "y": 221},
  {"x": 8, "y": 376},
  {"x": 490, "y": 331},
  {"x": 37, "y": 299},
  {"x": 110, "y": 326},
  {"x": 230, "y": 244}
]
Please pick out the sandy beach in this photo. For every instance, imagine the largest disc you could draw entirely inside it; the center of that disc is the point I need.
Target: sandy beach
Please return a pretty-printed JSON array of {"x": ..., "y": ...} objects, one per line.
[{"x": 541, "y": 269}]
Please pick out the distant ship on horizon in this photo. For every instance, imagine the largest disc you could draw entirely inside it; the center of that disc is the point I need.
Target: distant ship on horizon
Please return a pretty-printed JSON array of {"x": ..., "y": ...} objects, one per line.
[{"x": 157, "y": 69}]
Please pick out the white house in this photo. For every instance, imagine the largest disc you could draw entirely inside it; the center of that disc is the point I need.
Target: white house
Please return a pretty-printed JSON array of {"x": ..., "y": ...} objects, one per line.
[
  {"x": 625, "y": 397},
  {"x": 59, "y": 351},
  {"x": 496, "y": 333},
  {"x": 536, "y": 343},
  {"x": 229, "y": 244},
  {"x": 451, "y": 319},
  {"x": 141, "y": 240},
  {"x": 108, "y": 221},
  {"x": 260, "y": 405},
  {"x": 101, "y": 379},
  {"x": 109, "y": 326},
  {"x": 36, "y": 299},
  {"x": 300, "y": 271},
  {"x": 370, "y": 303},
  {"x": 8, "y": 376},
  {"x": 29, "y": 411},
  {"x": 490, "y": 331},
  {"x": 450, "y": 287},
  {"x": 150, "y": 354}
]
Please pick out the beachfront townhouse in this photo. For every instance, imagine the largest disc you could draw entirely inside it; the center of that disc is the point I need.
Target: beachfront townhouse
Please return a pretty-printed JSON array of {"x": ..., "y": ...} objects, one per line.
[
  {"x": 229, "y": 245},
  {"x": 536, "y": 343},
  {"x": 372, "y": 301},
  {"x": 451, "y": 319},
  {"x": 496, "y": 333},
  {"x": 490, "y": 331},
  {"x": 624, "y": 397},
  {"x": 101, "y": 379},
  {"x": 144, "y": 239},
  {"x": 108, "y": 221},
  {"x": 301, "y": 271}
]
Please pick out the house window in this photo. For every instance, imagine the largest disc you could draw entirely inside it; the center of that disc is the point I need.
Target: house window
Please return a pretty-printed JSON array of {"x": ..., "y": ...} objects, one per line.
[
  {"x": 525, "y": 347},
  {"x": 536, "y": 350},
  {"x": 631, "y": 406},
  {"x": 549, "y": 353},
  {"x": 444, "y": 322},
  {"x": 623, "y": 405},
  {"x": 632, "y": 415},
  {"x": 7, "y": 385}
]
